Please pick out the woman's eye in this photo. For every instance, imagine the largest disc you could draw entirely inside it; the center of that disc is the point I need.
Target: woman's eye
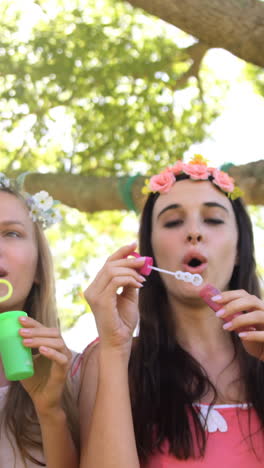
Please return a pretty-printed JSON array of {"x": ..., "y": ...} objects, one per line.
[
  {"x": 173, "y": 223},
  {"x": 214, "y": 221},
  {"x": 13, "y": 234}
]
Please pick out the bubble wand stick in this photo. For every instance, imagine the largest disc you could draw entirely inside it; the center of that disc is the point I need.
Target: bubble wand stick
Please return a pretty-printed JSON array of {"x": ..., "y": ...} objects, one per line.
[{"x": 186, "y": 276}]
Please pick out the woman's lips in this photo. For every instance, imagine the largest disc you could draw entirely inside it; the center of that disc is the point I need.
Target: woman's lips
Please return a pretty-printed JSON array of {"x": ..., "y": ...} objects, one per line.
[
  {"x": 194, "y": 261},
  {"x": 197, "y": 269}
]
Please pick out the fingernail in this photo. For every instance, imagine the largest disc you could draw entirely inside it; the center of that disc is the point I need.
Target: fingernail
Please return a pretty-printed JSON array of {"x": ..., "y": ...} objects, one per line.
[
  {"x": 242, "y": 334},
  {"x": 216, "y": 298},
  {"x": 27, "y": 341},
  {"x": 23, "y": 318},
  {"x": 139, "y": 259},
  {"x": 220, "y": 313},
  {"x": 25, "y": 331},
  {"x": 227, "y": 325},
  {"x": 142, "y": 278}
]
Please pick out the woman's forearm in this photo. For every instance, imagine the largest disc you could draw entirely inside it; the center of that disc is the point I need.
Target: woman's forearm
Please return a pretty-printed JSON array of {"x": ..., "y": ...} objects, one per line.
[
  {"x": 111, "y": 441},
  {"x": 58, "y": 446}
]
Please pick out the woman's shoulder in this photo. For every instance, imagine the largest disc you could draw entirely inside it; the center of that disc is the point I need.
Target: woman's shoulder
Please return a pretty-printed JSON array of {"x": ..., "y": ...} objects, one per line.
[
  {"x": 80, "y": 363},
  {"x": 80, "y": 359},
  {"x": 86, "y": 364}
]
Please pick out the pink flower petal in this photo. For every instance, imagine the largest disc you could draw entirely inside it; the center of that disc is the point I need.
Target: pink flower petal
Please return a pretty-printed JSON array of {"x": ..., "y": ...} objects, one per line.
[{"x": 162, "y": 182}]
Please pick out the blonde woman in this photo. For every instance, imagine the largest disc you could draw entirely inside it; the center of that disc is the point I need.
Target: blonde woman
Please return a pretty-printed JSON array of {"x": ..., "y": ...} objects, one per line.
[{"x": 38, "y": 414}]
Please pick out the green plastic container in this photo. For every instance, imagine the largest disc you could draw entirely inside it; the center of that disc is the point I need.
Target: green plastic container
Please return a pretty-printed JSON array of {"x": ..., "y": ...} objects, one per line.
[{"x": 17, "y": 359}]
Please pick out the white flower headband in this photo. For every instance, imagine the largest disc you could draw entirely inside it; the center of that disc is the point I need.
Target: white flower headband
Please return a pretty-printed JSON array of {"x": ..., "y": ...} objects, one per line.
[
  {"x": 196, "y": 169},
  {"x": 42, "y": 207}
]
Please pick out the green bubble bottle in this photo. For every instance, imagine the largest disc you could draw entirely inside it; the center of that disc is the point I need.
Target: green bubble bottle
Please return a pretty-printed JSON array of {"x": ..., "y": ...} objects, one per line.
[{"x": 16, "y": 358}]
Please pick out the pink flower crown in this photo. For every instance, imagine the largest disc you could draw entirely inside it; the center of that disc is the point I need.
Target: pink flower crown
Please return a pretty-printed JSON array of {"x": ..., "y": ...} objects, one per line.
[{"x": 196, "y": 169}]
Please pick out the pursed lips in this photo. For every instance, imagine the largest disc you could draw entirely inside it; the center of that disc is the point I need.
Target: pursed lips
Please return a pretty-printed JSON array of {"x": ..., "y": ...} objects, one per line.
[
  {"x": 194, "y": 262},
  {"x": 3, "y": 273}
]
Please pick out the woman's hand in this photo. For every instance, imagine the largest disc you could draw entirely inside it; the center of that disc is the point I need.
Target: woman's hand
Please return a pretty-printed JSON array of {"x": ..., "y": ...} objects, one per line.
[
  {"x": 116, "y": 314},
  {"x": 249, "y": 323},
  {"x": 45, "y": 387}
]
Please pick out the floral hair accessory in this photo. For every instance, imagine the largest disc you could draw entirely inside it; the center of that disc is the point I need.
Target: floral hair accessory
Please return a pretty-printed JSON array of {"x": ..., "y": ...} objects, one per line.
[
  {"x": 196, "y": 169},
  {"x": 42, "y": 207}
]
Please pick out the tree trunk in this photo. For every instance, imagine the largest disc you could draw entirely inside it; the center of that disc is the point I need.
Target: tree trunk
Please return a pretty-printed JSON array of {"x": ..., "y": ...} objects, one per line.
[
  {"x": 91, "y": 193},
  {"x": 234, "y": 25},
  {"x": 250, "y": 178}
]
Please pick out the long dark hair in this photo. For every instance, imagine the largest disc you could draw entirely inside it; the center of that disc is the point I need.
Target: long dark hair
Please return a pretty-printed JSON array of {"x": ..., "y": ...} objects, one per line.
[{"x": 165, "y": 380}]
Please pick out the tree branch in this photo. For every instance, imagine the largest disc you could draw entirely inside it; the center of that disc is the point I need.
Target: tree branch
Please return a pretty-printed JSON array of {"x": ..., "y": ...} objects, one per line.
[
  {"x": 91, "y": 193},
  {"x": 234, "y": 25},
  {"x": 196, "y": 53},
  {"x": 250, "y": 178}
]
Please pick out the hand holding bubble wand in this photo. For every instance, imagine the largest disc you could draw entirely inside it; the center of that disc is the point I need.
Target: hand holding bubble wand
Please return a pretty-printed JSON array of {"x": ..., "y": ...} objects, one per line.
[
  {"x": 207, "y": 292},
  {"x": 17, "y": 359}
]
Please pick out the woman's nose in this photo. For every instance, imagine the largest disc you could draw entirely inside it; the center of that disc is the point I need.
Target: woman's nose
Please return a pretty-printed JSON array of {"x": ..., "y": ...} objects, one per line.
[{"x": 194, "y": 237}]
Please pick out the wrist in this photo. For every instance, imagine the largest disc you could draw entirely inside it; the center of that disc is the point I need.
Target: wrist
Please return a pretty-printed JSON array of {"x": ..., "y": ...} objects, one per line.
[
  {"x": 114, "y": 354},
  {"x": 52, "y": 415}
]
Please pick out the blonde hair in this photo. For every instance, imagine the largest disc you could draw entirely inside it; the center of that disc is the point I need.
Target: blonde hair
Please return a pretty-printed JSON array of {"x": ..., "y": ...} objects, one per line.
[{"x": 20, "y": 418}]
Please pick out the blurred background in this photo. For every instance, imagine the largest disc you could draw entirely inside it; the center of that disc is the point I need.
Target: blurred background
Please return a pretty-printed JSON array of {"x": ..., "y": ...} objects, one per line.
[{"x": 95, "y": 95}]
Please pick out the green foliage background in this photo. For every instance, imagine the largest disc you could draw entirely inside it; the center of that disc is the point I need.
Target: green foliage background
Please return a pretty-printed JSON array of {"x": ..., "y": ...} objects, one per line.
[{"x": 92, "y": 88}]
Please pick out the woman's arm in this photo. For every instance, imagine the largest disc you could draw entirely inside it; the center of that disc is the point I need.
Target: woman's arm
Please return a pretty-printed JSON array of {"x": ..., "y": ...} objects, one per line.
[
  {"x": 45, "y": 389},
  {"x": 107, "y": 433},
  {"x": 107, "y": 437},
  {"x": 59, "y": 449}
]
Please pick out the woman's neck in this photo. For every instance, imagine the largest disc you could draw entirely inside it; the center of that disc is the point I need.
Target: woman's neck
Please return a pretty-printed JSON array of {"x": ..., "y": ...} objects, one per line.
[
  {"x": 200, "y": 333},
  {"x": 197, "y": 328}
]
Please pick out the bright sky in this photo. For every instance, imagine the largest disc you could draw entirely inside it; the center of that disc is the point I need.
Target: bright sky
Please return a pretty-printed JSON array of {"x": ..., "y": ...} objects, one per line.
[{"x": 237, "y": 135}]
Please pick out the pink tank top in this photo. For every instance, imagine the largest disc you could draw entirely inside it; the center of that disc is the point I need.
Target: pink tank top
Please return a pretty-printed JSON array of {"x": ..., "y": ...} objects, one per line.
[{"x": 229, "y": 444}]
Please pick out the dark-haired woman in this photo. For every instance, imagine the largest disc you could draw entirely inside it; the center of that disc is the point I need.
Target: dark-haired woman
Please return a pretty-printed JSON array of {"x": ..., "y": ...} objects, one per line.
[{"x": 189, "y": 390}]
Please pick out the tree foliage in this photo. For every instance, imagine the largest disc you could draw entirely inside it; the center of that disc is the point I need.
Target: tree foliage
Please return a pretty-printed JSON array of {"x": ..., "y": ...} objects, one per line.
[
  {"x": 94, "y": 88},
  {"x": 256, "y": 76},
  {"x": 80, "y": 246}
]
